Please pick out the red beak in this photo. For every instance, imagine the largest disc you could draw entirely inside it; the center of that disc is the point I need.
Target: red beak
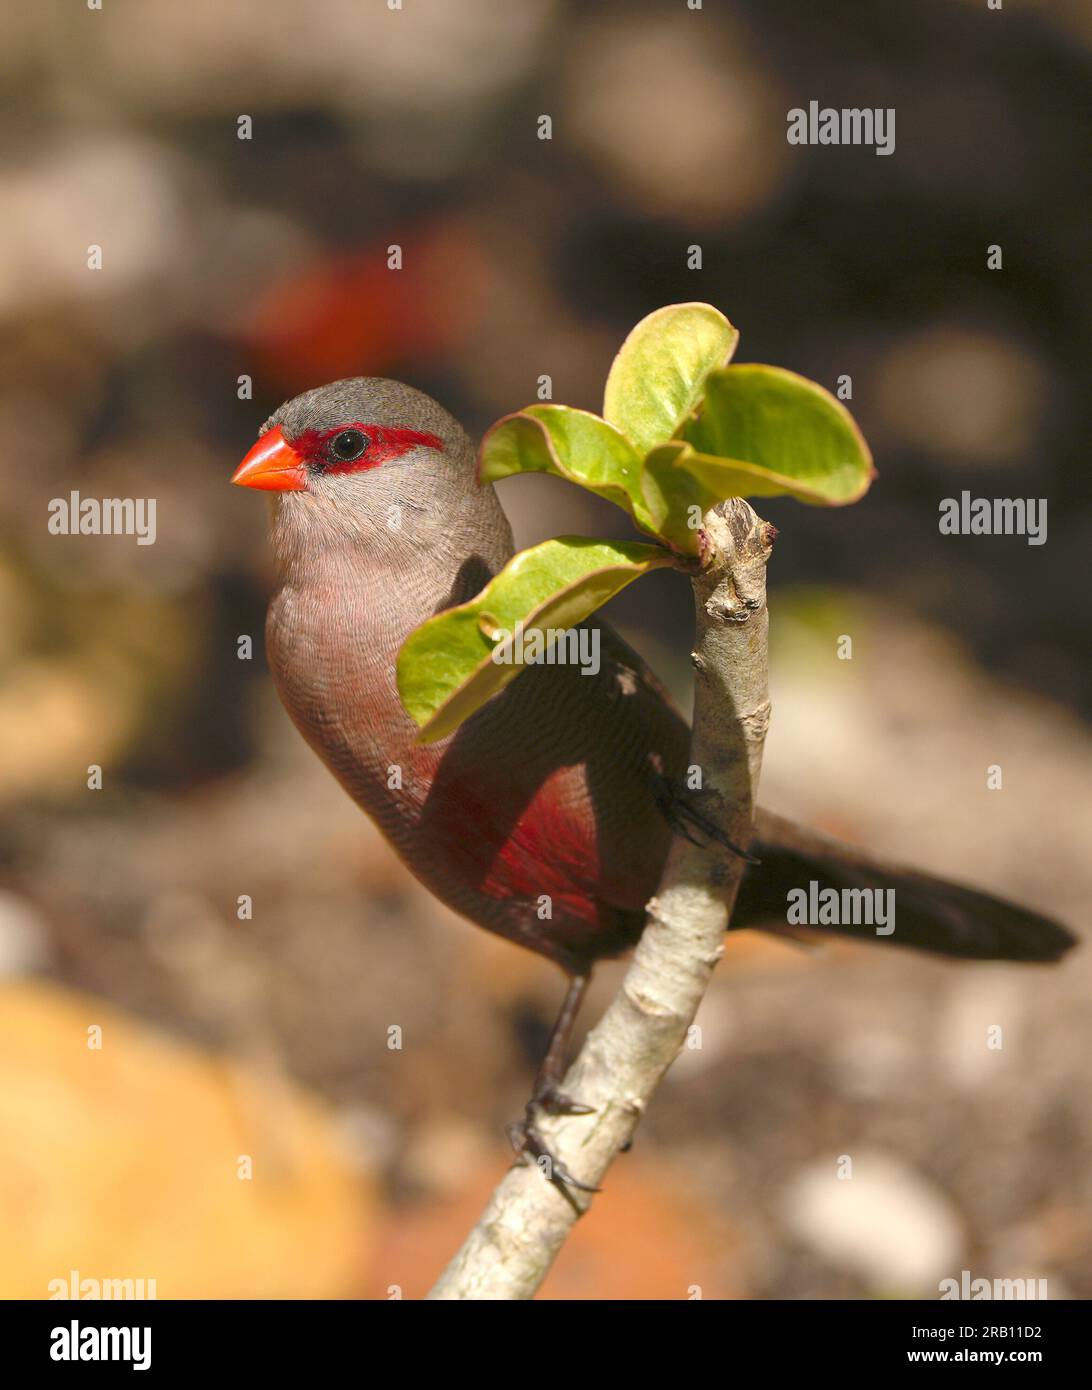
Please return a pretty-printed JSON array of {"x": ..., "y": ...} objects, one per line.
[{"x": 272, "y": 465}]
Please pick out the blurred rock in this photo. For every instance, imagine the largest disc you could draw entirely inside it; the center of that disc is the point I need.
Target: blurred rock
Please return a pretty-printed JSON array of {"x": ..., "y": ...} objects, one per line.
[
  {"x": 963, "y": 396},
  {"x": 428, "y": 56},
  {"x": 123, "y": 1163},
  {"x": 117, "y": 193},
  {"x": 680, "y": 118},
  {"x": 869, "y": 1065},
  {"x": 971, "y": 1053},
  {"x": 442, "y": 1152},
  {"x": 887, "y": 1222},
  {"x": 24, "y": 941}
]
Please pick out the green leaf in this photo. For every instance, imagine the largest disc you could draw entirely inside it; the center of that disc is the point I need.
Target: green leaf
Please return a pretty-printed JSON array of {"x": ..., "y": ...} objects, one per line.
[
  {"x": 676, "y": 499},
  {"x": 763, "y": 431},
  {"x": 659, "y": 375},
  {"x": 572, "y": 444},
  {"x": 446, "y": 668},
  {"x": 681, "y": 485}
]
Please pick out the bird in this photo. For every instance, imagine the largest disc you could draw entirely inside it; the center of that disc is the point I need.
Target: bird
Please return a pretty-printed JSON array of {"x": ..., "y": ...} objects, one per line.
[{"x": 564, "y": 787}]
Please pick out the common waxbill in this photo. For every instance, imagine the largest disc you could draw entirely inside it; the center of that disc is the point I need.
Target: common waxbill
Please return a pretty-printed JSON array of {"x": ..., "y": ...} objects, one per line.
[{"x": 563, "y": 784}]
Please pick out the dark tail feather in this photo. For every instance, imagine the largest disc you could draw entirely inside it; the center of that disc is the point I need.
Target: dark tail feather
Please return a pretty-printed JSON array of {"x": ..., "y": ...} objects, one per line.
[{"x": 931, "y": 914}]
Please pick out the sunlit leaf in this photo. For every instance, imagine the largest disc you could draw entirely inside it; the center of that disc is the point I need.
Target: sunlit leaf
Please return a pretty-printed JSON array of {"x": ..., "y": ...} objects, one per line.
[
  {"x": 659, "y": 375},
  {"x": 675, "y": 498},
  {"x": 446, "y": 668},
  {"x": 572, "y": 444},
  {"x": 763, "y": 431}
]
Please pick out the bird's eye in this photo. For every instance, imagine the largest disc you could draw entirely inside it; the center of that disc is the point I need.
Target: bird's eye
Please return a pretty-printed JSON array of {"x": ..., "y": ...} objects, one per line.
[{"x": 348, "y": 445}]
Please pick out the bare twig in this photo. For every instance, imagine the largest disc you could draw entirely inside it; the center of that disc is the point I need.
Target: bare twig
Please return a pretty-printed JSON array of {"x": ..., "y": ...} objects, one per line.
[{"x": 521, "y": 1231}]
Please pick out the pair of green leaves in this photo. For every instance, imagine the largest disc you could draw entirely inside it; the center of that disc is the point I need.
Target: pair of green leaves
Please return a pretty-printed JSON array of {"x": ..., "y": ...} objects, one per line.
[{"x": 680, "y": 431}]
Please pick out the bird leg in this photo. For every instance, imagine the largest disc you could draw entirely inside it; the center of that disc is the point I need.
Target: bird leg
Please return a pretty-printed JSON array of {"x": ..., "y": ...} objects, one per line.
[
  {"x": 678, "y": 806},
  {"x": 547, "y": 1098}
]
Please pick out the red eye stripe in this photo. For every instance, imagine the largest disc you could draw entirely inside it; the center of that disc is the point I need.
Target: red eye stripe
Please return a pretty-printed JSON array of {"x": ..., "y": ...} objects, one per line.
[{"x": 384, "y": 443}]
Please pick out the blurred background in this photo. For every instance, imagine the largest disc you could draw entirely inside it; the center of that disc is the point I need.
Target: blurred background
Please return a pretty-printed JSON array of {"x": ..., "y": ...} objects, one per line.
[{"x": 265, "y": 258}]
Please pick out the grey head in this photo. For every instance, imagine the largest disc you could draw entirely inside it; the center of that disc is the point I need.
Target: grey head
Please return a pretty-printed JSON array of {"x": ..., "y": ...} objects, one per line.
[{"x": 374, "y": 463}]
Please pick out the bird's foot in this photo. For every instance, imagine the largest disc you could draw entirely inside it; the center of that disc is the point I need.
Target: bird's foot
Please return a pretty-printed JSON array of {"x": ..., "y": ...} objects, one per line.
[
  {"x": 678, "y": 806},
  {"x": 551, "y": 1100},
  {"x": 527, "y": 1138}
]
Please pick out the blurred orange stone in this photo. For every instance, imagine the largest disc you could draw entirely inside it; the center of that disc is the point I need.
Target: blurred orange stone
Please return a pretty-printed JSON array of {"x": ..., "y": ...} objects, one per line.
[{"x": 123, "y": 1162}]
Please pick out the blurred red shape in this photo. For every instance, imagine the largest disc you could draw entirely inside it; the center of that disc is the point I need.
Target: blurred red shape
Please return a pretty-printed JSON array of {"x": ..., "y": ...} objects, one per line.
[{"x": 350, "y": 314}]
